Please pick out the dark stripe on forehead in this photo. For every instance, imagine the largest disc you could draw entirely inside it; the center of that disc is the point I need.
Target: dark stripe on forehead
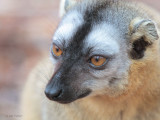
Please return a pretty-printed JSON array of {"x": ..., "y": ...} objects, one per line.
[
  {"x": 73, "y": 55},
  {"x": 73, "y": 52},
  {"x": 91, "y": 15},
  {"x": 77, "y": 40},
  {"x": 93, "y": 12}
]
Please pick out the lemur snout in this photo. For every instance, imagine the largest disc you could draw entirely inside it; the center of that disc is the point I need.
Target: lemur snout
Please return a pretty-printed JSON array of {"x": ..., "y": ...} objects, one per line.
[{"x": 53, "y": 93}]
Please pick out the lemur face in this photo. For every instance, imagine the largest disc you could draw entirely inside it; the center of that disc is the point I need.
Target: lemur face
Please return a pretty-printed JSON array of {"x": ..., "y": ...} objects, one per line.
[
  {"x": 89, "y": 59},
  {"x": 91, "y": 56}
]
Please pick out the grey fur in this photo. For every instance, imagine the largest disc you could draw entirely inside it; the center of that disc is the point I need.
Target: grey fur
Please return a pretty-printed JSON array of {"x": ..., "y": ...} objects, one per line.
[
  {"x": 111, "y": 19},
  {"x": 108, "y": 17},
  {"x": 122, "y": 88}
]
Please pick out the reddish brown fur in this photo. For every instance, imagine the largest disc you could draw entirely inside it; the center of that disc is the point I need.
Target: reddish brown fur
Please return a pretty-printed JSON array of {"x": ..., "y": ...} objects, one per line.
[{"x": 140, "y": 101}]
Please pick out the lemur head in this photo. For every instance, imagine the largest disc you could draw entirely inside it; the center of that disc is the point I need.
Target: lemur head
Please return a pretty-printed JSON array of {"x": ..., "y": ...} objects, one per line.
[{"x": 93, "y": 49}]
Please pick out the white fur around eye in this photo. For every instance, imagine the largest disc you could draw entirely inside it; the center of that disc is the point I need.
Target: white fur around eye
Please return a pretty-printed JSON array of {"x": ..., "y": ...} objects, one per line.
[
  {"x": 64, "y": 31},
  {"x": 103, "y": 40},
  {"x": 68, "y": 26}
]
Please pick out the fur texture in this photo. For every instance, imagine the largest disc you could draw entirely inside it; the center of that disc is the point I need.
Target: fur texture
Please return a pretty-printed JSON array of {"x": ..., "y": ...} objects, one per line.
[{"x": 126, "y": 88}]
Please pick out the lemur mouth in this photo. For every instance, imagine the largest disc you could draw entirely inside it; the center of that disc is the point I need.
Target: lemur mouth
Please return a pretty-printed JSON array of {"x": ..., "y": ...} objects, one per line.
[
  {"x": 70, "y": 100},
  {"x": 84, "y": 94}
]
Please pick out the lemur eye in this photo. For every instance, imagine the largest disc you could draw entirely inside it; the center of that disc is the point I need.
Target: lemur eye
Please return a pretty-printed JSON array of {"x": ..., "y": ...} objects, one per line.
[
  {"x": 57, "y": 51},
  {"x": 98, "y": 60}
]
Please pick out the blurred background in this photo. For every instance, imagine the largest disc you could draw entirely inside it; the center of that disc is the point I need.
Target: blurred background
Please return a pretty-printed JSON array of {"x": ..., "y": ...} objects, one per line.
[{"x": 26, "y": 29}]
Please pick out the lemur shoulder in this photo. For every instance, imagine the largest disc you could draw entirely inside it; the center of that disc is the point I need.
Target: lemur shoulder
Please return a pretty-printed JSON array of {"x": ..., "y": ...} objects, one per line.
[{"x": 105, "y": 65}]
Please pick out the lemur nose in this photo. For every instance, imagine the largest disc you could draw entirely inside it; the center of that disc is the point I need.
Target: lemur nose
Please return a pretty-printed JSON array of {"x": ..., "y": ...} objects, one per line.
[{"x": 53, "y": 93}]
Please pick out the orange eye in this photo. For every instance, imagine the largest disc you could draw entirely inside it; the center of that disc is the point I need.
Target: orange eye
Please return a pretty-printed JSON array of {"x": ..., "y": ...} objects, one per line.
[
  {"x": 57, "y": 51},
  {"x": 98, "y": 60}
]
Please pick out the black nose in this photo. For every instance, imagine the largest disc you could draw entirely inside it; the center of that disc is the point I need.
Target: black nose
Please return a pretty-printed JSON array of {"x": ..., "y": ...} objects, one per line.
[{"x": 53, "y": 93}]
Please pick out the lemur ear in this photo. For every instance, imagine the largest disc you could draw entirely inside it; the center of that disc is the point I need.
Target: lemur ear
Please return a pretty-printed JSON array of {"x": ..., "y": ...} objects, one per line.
[
  {"x": 143, "y": 33},
  {"x": 65, "y": 5}
]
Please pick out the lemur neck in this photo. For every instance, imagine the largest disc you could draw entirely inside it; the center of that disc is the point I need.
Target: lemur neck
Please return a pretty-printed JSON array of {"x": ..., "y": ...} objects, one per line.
[{"x": 144, "y": 77}]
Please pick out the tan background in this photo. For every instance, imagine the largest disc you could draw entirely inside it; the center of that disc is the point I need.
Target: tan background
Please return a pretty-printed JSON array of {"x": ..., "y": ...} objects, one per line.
[{"x": 26, "y": 29}]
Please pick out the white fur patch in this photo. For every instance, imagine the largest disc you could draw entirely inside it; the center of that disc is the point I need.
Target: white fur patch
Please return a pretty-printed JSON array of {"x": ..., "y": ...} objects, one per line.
[
  {"x": 64, "y": 31},
  {"x": 68, "y": 26},
  {"x": 62, "y": 8},
  {"x": 103, "y": 40},
  {"x": 65, "y": 7}
]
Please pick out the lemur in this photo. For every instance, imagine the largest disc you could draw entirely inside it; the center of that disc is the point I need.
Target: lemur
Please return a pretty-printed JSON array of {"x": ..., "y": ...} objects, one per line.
[{"x": 105, "y": 65}]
